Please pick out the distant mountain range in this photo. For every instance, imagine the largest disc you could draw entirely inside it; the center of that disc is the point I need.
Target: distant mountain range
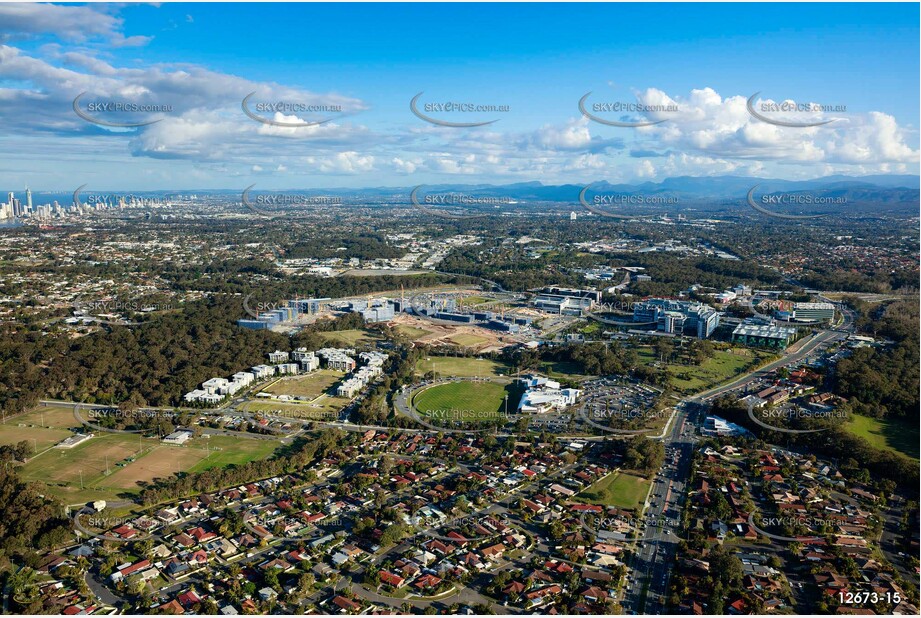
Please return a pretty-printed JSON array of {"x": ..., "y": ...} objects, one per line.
[
  {"x": 703, "y": 193},
  {"x": 888, "y": 189}
]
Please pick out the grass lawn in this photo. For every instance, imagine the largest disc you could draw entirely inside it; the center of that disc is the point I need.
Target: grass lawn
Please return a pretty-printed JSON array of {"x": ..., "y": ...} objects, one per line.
[
  {"x": 478, "y": 400},
  {"x": 350, "y": 337},
  {"x": 462, "y": 367},
  {"x": 562, "y": 369},
  {"x": 228, "y": 450},
  {"x": 890, "y": 435},
  {"x": 90, "y": 458},
  {"x": 310, "y": 385},
  {"x": 39, "y": 438},
  {"x": 620, "y": 489},
  {"x": 52, "y": 417},
  {"x": 161, "y": 462},
  {"x": 61, "y": 469},
  {"x": 411, "y": 332},
  {"x": 465, "y": 340},
  {"x": 472, "y": 300},
  {"x": 724, "y": 365}
]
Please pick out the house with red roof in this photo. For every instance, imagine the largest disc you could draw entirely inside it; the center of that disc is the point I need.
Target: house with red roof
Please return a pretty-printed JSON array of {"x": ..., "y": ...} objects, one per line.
[{"x": 391, "y": 579}]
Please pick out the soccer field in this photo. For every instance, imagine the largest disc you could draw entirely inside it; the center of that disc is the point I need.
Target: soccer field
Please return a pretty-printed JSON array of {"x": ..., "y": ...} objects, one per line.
[
  {"x": 464, "y": 340},
  {"x": 462, "y": 367},
  {"x": 91, "y": 470},
  {"x": 88, "y": 460},
  {"x": 411, "y": 332}
]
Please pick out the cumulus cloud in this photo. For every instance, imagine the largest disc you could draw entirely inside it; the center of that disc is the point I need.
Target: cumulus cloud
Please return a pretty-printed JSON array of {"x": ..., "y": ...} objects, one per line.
[
  {"x": 206, "y": 131},
  {"x": 709, "y": 124},
  {"x": 68, "y": 22}
]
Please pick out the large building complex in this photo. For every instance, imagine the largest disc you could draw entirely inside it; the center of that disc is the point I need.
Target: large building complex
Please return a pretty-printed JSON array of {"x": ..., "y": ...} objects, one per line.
[
  {"x": 566, "y": 301},
  {"x": 677, "y": 317},
  {"x": 544, "y": 395},
  {"x": 374, "y": 310},
  {"x": 288, "y": 313}
]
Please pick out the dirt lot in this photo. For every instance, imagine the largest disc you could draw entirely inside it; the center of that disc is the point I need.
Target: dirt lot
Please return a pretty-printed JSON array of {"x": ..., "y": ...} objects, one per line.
[{"x": 474, "y": 337}]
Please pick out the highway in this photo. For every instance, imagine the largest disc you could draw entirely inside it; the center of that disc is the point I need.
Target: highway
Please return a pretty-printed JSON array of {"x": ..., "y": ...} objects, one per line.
[{"x": 656, "y": 548}]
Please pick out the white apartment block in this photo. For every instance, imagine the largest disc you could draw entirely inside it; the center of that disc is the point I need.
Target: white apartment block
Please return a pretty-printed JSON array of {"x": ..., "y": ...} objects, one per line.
[
  {"x": 287, "y": 369},
  {"x": 338, "y": 359},
  {"x": 262, "y": 371},
  {"x": 216, "y": 386},
  {"x": 277, "y": 357},
  {"x": 308, "y": 360},
  {"x": 349, "y": 388}
]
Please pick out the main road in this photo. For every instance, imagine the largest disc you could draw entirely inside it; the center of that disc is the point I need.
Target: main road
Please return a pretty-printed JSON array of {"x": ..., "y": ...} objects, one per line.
[{"x": 656, "y": 550}]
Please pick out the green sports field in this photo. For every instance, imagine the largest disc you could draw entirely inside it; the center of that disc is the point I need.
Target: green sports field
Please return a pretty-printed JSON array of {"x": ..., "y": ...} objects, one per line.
[
  {"x": 411, "y": 332},
  {"x": 620, "y": 489},
  {"x": 228, "y": 450},
  {"x": 474, "y": 400},
  {"x": 467, "y": 340},
  {"x": 462, "y": 367}
]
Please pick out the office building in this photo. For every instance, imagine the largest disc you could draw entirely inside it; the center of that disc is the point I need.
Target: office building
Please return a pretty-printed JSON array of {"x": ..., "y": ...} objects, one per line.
[
  {"x": 677, "y": 317},
  {"x": 763, "y": 335},
  {"x": 463, "y": 318}
]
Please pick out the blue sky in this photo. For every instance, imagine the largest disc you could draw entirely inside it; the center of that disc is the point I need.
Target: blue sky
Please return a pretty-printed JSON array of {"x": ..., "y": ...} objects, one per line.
[{"x": 706, "y": 60}]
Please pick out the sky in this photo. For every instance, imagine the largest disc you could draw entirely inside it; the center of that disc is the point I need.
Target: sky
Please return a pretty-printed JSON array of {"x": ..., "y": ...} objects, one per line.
[{"x": 696, "y": 65}]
